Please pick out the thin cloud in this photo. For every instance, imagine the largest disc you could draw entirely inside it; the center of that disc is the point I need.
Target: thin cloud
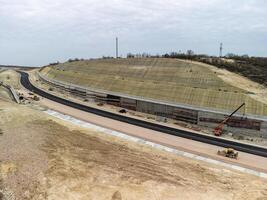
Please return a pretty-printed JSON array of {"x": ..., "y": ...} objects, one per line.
[{"x": 36, "y": 32}]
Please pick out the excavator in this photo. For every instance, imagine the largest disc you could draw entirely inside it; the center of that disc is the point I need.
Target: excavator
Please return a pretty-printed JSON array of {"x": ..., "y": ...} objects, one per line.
[{"x": 218, "y": 129}]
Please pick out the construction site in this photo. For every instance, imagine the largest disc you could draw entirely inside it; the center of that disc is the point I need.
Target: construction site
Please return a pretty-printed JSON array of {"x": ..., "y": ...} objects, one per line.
[
  {"x": 60, "y": 159},
  {"x": 133, "y": 100},
  {"x": 153, "y": 106},
  {"x": 181, "y": 90}
]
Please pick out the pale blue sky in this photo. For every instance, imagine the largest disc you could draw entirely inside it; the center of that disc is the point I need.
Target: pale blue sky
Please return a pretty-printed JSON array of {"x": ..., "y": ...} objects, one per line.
[{"x": 36, "y": 32}]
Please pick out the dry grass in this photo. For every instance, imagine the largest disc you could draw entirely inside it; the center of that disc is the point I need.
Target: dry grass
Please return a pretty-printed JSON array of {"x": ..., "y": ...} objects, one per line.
[
  {"x": 46, "y": 158},
  {"x": 10, "y": 77},
  {"x": 163, "y": 79},
  {"x": 4, "y": 94}
]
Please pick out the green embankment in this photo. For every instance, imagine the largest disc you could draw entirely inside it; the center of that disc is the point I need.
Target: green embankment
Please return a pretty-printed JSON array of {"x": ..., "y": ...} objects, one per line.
[{"x": 157, "y": 78}]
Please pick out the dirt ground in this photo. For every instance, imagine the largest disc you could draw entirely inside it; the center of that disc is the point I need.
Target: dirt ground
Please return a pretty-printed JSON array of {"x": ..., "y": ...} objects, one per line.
[
  {"x": 170, "y": 80},
  {"x": 4, "y": 94},
  {"x": 259, "y": 92},
  {"x": 10, "y": 77},
  {"x": 45, "y": 158},
  {"x": 252, "y": 139}
]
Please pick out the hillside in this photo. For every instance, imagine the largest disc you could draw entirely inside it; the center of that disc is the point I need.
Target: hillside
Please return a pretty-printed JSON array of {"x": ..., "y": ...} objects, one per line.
[
  {"x": 254, "y": 68},
  {"x": 170, "y": 80},
  {"x": 10, "y": 77}
]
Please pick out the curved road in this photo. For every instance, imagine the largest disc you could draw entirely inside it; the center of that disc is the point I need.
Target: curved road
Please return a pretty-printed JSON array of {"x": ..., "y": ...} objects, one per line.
[{"x": 256, "y": 150}]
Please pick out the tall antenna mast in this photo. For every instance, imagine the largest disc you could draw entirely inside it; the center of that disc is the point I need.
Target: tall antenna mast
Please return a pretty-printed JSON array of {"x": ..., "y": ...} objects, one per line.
[
  {"x": 117, "y": 47},
  {"x": 221, "y": 49}
]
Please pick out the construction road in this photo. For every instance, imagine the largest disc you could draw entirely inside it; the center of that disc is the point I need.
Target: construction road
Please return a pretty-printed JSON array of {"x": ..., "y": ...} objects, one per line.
[{"x": 154, "y": 132}]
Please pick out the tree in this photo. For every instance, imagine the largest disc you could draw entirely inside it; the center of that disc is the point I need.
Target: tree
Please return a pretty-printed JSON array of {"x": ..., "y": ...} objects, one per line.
[
  {"x": 230, "y": 55},
  {"x": 130, "y": 55},
  {"x": 190, "y": 52}
]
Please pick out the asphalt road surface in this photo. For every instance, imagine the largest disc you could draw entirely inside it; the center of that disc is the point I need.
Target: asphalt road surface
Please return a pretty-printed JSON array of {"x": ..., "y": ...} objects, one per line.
[{"x": 256, "y": 150}]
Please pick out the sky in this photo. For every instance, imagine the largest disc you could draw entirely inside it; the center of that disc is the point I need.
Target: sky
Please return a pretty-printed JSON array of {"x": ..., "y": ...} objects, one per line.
[{"x": 37, "y": 32}]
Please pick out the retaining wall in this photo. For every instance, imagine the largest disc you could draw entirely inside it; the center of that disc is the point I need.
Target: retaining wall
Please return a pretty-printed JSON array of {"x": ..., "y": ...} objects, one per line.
[{"x": 247, "y": 125}]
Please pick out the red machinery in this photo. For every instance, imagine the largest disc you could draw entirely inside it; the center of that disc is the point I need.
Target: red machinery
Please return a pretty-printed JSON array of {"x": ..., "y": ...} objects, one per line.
[{"x": 218, "y": 129}]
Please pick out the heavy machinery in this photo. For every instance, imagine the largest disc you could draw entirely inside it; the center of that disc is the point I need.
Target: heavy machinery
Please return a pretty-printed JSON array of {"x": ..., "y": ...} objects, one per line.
[
  {"x": 35, "y": 98},
  {"x": 218, "y": 129},
  {"x": 229, "y": 152}
]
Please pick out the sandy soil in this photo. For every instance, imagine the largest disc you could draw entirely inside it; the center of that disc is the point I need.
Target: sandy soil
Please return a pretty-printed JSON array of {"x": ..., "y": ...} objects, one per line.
[
  {"x": 252, "y": 139},
  {"x": 246, "y": 160},
  {"x": 4, "y": 94},
  {"x": 177, "y": 81},
  {"x": 10, "y": 77},
  {"x": 259, "y": 92},
  {"x": 45, "y": 158}
]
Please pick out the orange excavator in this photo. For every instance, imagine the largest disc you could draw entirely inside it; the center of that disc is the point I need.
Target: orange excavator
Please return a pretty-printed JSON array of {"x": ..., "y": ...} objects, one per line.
[{"x": 218, "y": 129}]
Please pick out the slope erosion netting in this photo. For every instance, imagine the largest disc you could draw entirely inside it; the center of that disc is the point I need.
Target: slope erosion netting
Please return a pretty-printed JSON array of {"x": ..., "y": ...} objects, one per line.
[{"x": 163, "y": 79}]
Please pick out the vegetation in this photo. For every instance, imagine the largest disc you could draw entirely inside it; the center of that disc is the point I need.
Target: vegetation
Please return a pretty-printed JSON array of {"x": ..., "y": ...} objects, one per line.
[
  {"x": 164, "y": 79},
  {"x": 254, "y": 68}
]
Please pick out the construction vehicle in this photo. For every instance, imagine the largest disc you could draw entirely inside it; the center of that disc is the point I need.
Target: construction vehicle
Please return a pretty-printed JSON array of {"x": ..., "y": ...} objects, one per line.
[
  {"x": 218, "y": 129},
  {"x": 229, "y": 152},
  {"x": 35, "y": 98}
]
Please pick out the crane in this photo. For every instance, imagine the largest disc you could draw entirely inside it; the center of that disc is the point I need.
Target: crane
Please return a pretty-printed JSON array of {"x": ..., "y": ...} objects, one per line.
[{"x": 218, "y": 129}]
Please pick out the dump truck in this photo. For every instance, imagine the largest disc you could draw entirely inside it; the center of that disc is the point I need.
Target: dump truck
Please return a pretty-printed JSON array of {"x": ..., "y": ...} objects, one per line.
[{"x": 229, "y": 152}]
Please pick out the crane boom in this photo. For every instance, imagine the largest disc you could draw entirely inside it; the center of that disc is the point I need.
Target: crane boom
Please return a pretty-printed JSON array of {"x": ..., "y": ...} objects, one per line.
[{"x": 218, "y": 129}]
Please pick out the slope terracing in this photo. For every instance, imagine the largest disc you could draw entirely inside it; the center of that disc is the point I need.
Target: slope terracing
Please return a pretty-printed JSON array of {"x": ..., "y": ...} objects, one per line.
[{"x": 169, "y": 80}]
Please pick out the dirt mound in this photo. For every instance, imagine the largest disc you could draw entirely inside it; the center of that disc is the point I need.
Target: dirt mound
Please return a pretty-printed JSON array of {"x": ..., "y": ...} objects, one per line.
[{"x": 169, "y": 80}]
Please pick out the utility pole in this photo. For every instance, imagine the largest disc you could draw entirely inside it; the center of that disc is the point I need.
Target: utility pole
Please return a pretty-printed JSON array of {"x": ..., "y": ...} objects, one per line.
[
  {"x": 221, "y": 49},
  {"x": 117, "y": 47}
]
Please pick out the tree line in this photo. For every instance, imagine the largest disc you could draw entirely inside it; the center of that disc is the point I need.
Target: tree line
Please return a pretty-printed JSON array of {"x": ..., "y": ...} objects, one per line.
[{"x": 254, "y": 68}]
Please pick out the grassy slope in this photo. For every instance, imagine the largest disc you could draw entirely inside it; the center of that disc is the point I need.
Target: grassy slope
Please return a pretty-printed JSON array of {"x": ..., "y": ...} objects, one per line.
[
  {"x": 164, "y": 79},
  {"x": 10, "y": 77}
]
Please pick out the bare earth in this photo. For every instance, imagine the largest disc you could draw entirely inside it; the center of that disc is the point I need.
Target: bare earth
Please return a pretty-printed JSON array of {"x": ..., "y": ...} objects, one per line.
[
  {"x": 10, "y": 77},
  {"x": 252, "y": 139},
  {"x": 260, "y": 92},
  {"x": 45, "y": 158},
  {"x": 170, "y": 80}
]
